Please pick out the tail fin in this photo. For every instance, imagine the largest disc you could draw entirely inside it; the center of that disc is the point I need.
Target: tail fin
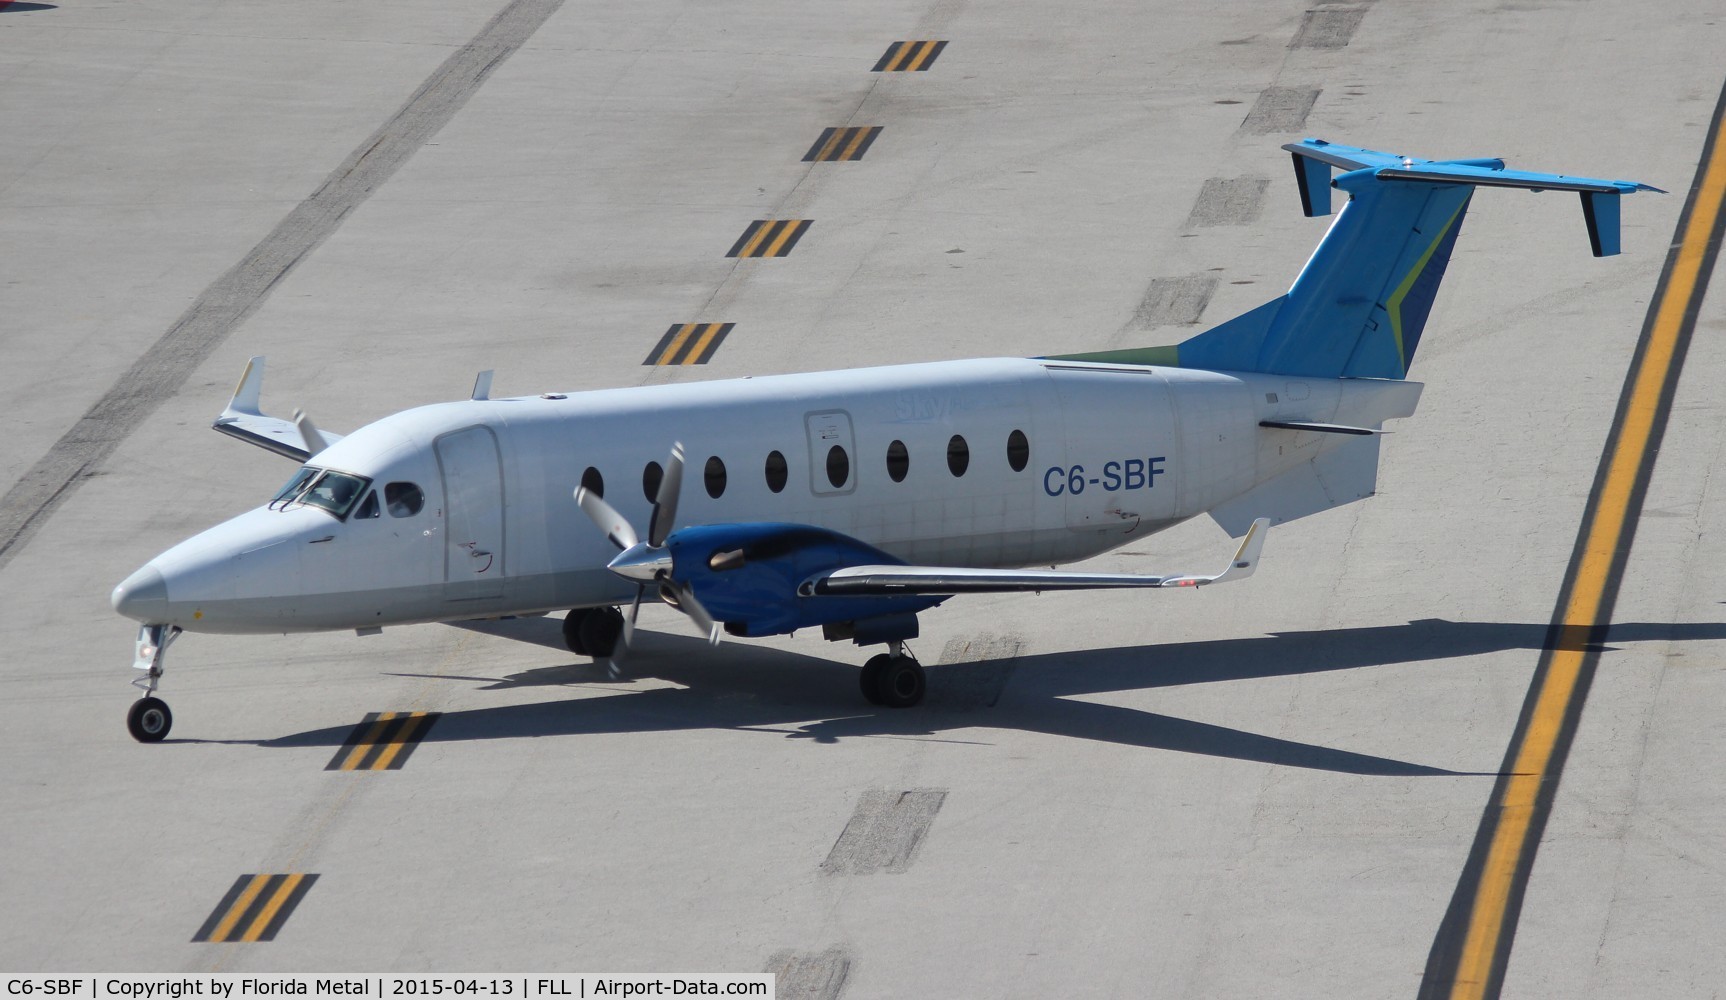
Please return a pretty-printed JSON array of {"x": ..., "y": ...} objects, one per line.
[{"x": 1358, "y": 307}]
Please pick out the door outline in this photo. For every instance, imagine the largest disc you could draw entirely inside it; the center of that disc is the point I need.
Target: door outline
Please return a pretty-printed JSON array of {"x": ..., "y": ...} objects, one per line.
[{"x": 474, "y": 523}]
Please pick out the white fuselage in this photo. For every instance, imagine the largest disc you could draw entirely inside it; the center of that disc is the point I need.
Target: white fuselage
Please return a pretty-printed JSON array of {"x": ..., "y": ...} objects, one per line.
[{"x": 1113, "y": 453}]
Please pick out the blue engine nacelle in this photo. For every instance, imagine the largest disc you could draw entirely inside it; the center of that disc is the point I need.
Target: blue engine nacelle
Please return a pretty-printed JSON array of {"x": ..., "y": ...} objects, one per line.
[{"x": 750, "y": 577}]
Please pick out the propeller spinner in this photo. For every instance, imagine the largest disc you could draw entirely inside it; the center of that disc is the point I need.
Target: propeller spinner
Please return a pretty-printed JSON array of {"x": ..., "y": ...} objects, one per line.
[{"x": 646, "y": 563}]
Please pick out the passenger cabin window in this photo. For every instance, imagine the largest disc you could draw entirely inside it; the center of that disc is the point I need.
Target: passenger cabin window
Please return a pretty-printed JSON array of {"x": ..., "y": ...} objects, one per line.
[
  {"x": 368, "y": 507},
  {"x": 898, "y": 461},
  {"x": 1018, "y": 451},
  {"x": 777, "y": 473},
  {"x": 838, "y": 466},
  {"x": 958, "y": 455},
  {"x": 593, "y": 482},
  {"x": 714, "y": 477},
  {"x": 403, "y": 499},
  {"x": 650, "y": 478}
]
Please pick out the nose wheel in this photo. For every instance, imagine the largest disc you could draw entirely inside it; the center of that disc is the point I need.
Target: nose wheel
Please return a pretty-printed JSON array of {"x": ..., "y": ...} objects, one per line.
[{"x": 149, "y": 720}]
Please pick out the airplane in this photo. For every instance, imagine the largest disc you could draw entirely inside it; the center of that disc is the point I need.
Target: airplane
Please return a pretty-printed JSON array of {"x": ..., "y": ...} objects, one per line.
[{"x": 852, "y": 501}]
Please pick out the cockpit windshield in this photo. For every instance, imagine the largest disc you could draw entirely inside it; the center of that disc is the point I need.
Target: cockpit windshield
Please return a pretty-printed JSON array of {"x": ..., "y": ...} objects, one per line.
[
  {"x": 295, "y": 487},
  {"x": 325, "y": 489}
]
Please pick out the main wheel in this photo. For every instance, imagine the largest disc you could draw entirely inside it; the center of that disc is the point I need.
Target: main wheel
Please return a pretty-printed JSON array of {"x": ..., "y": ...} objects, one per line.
[
  {"x": 600, "y": 631},
  {"x": 870, "y": 679},
  {"x": 572, "y": 630},
  {"x": 149, "y": 720},
  {"x": 901, "y": 683}
]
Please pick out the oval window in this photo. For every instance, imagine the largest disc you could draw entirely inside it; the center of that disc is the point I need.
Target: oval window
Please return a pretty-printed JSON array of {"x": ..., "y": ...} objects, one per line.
[
  {"x": 593, "y": 482},
  {"x": 650, "y": 478},
  {"x": 898, "y": 461},
  {"x": 776, "y": 471},
  {"x": 404, "y": 499},
  {"x": 958, "y": 455},
  {"x": 838, "y": 466},
  {"x": 714, "y": 476},
  {"x": 1018, "y": 451}
]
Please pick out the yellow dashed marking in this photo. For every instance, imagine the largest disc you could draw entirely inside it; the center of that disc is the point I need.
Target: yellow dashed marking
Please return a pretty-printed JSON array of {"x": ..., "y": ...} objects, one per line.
[
  {"x": 688, "y": 344},
  {"x": 769, "y": 238},
  {"x": 255, "y": 907},
  {"x": 837, "y": 144},
  {"x": 382, "y": 742},
  {"x": 902, "y": 57}
]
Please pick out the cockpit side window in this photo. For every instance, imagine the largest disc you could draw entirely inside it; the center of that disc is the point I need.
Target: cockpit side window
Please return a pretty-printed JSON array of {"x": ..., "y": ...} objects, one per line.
[
  {"x": 368, "y": 507},
  {"x": 403, "y": 499}
]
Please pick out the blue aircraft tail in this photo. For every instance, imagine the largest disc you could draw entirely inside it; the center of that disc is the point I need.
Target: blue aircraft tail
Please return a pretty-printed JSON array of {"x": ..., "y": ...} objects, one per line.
[{"x": 1358, "y": 307}]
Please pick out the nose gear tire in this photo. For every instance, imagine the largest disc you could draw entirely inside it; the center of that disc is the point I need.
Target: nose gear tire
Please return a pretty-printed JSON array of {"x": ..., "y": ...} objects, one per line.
[{"x": 149, "y": 720}]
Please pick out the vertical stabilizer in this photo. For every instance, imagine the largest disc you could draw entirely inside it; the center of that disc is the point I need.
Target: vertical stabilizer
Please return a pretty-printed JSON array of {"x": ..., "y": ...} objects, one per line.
[{"x": 1358, "y": 308}]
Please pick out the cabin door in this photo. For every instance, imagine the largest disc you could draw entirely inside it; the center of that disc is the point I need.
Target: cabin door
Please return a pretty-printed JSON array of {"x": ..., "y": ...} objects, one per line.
[{"x": 473, "y": 514}]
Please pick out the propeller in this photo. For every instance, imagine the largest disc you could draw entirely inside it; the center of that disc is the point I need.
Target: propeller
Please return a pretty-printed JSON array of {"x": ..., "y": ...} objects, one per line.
[{"x": 647, "y": 563}]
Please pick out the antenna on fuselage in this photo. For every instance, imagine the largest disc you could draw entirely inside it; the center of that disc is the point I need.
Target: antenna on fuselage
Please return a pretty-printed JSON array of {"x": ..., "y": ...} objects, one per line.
[{"x": 482, "y": 385}]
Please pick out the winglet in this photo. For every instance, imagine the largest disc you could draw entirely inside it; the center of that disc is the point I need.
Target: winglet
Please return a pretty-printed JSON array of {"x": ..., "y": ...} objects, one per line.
[
  {"x": 245, "y": 420},
  {"x": 249, "y": 391},
  {"x": 1240, "y": 567}
]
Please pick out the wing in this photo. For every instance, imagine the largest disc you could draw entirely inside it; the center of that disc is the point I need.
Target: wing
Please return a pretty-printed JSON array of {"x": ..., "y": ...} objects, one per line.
[
  {"x": 883, "y": 580},
  {"x": 296, "y": 439}
]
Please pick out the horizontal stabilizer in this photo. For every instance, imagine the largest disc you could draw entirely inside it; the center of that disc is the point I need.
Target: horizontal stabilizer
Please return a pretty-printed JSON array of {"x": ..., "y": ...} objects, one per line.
[
  {"x": 245, "y": 421},
  {"x": 858, "y": 581},
  {"x": 1313, "y": 159}
]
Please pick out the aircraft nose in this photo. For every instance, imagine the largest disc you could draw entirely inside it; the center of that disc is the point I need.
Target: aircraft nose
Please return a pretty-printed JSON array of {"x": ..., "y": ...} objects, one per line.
[{"x": 143, "y": 597}]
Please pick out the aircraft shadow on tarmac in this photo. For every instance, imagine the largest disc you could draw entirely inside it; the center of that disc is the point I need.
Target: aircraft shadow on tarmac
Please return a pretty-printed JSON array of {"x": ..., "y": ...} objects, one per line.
[
  {"x": 19, "y": 7},
  {"x": 743, "y": 687}
]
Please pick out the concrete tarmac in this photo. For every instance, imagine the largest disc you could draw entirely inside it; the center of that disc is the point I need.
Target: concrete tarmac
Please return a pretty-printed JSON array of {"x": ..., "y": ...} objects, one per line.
[{"x": 1267, "y": 789}]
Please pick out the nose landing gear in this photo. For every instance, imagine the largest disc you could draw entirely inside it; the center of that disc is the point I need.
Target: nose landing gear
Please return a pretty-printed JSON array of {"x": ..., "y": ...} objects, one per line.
[{"x": 149, "y": 719}]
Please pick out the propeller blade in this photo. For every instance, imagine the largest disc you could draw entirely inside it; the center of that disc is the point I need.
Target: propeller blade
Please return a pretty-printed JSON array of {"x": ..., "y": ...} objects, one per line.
[
  {"x": 629, "y": 620},
  {"x": 606, "y": 517},
  {"x": 620, "y": 652},
  {"x": 687, "y": 603},
  {"x": 665, "y": 504}
]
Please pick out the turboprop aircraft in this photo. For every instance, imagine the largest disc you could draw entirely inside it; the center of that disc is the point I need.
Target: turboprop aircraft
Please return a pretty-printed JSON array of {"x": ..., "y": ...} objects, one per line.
[{"x": 851, "y": 501}]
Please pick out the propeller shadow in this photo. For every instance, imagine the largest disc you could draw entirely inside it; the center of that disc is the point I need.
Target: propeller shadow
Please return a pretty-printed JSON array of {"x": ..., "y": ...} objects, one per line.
[{"x": 753, "y": 688}]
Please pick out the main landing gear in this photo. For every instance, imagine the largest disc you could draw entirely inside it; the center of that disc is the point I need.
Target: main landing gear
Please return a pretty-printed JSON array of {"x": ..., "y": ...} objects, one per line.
[
  {"x": 894, "y": 678},
  {"x": 149, "y": 719},
  {"x": 593, "y": 631}
]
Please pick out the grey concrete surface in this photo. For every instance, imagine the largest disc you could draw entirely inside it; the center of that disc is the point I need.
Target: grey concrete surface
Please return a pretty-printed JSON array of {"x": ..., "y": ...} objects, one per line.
[{"x": 1263, "y": 790}]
